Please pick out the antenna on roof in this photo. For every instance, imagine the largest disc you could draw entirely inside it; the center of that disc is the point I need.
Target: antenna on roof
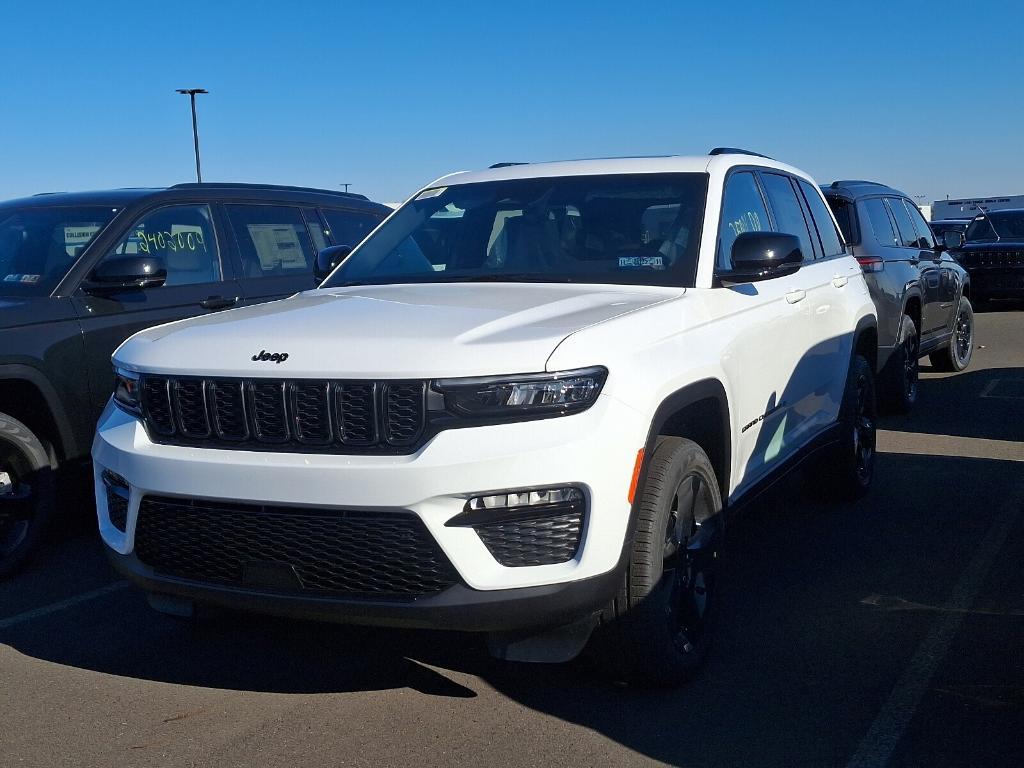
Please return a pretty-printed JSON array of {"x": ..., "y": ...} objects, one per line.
[{"x": 505, "y": 165}]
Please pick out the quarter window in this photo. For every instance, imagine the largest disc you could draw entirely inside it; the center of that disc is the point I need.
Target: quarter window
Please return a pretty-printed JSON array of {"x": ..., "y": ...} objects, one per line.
[
  {"x": 742, "y": 211},
  {"x": 182, "y": 236},
  {"x": 881, "y": 223},
  {"x": 830, "y": 241},
  {"x": 924, "y": 233},
  {"x": 904, "y": 226},
  {"x": 789, "y": 216},
  {"x": 272, "y": 240}
]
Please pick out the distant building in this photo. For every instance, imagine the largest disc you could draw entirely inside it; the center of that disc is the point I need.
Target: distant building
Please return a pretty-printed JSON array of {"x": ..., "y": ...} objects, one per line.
[{"x": 968, "y": 209}]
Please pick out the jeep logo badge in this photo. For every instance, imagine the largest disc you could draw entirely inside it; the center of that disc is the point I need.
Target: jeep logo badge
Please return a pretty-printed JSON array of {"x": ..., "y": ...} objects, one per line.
[{"x": 273, "y": 357}]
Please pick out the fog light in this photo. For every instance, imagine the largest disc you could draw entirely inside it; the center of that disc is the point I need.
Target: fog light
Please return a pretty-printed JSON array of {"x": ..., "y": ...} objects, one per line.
[
  {"x": 532, "y": 526},
  {"x": 526, "y": 498}
]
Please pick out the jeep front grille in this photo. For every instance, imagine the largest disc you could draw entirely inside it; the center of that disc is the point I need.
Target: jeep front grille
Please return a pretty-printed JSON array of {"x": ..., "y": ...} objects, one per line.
[
  {"x": 286, "y": 415},
  {"x": 292, "y": 549}
]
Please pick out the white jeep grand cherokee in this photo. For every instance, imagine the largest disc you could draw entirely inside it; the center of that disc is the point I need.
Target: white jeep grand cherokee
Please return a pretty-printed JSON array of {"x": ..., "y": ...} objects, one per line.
[{"x": 519, "y": 407}]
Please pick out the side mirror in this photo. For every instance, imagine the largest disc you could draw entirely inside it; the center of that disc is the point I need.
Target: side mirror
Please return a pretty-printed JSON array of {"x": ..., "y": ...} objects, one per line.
[
  {"x": 952, "y": 239},
  {"x": 328, "y": 258},
  {"x": 763, "y": 255},
  {"x": 126, "y": 273}
]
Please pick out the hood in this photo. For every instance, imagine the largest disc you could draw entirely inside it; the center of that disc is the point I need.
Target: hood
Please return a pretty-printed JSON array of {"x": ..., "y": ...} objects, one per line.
[
  {"x": 16, "y": 311},
  {"x": 387, "y": 331}
]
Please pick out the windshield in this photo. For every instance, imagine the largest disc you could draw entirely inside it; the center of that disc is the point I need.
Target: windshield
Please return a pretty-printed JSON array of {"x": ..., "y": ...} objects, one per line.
[
  {"x": 1008, "y": 225},
  {"x": 641, "y": 229},
  {"x": 39, "y": 245}
]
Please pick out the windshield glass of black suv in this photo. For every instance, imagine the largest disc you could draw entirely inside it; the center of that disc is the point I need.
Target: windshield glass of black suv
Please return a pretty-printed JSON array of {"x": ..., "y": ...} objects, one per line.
[
  {"x": 999, "y": 225},
  {"x": 641, "y": 229},
  {"x": 39, "y": 245}
]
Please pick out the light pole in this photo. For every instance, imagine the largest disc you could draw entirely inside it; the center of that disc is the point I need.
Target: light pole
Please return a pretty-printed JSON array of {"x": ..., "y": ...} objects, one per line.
[{"x": 195, "y": 128}]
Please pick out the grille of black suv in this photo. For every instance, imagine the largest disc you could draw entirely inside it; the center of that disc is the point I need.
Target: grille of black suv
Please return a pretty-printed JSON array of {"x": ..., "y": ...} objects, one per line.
[
  {"x": 533, "y": 541},
  {"x": 289, "y": 415},
  {"x": 292, "y": 549},
  {"x": 994, "y": 258}
]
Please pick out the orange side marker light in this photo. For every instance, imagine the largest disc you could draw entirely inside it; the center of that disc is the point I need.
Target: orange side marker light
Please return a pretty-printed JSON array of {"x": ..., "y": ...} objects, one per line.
[{"x": 636, "y": 475}]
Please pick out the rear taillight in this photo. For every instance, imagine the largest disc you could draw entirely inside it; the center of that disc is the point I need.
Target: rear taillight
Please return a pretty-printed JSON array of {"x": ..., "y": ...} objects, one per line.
[{"x": 870, "y": 263}]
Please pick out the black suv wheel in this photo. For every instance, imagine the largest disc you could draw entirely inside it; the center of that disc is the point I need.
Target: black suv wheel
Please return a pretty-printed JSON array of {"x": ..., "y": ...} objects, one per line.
[
  {"x": 957, "y": 356},
  {"x": 658, "y": 629},
  {"x": 848, "y": 468},
  {"x": 26, "y": 492},
  {"x": 900, "y": 382}
]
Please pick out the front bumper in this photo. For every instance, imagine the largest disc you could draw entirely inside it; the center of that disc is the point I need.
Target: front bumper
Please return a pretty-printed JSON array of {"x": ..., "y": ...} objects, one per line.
[
  {"x": 594, "y": 451},
  {"x": 458, "y": 608}
]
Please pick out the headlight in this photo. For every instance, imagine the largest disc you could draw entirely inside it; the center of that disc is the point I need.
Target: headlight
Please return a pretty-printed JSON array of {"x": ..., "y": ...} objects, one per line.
[
  {"x": 530, "y": 395},
  {"x": 126, "y": 391}
]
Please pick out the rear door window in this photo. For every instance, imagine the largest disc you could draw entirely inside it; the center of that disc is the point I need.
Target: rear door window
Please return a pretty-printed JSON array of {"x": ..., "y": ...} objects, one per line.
[
  {"x": 830, "y": 240},
  {"x": 272, "y": 240},
  {"x": 881, "y": 222},
  {"x": 789, "y": 216}
]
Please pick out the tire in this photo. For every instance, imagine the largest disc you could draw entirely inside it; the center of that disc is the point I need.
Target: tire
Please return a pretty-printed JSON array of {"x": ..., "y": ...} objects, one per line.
[
  {"x": 957, "y": 356},
  {"x": 27, "y": 498},
  {"x": 899, "y": 392},
  {"x": 849, "y": 466},
  {"x": 657, "y": 631}
]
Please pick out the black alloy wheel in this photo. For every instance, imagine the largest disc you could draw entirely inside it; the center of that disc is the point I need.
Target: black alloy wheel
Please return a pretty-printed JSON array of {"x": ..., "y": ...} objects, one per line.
[
  {"x": 957, "y": 355},
  {"x": 16, "y": 501},
  {"x": 689, "y": 560},
  {"x": 864, "y": 429}
]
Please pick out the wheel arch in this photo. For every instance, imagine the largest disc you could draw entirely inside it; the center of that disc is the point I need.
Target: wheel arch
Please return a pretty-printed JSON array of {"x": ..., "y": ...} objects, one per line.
[
  {"x": 865, "y": 341},
  {"x": 698, "y": 412},
  {"x": 27, "y": 395}
]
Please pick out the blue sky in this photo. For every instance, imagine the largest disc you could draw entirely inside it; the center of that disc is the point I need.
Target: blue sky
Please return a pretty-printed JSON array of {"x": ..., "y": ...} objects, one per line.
[{"x": 387, "y": 96}]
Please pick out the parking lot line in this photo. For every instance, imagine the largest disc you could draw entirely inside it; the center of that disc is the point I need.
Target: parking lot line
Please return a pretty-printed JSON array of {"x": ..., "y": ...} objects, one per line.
[
  {"x": 889, "y": 725},
  {"x": 35, "y": 613},
  {"x": 892, "y": 441}
]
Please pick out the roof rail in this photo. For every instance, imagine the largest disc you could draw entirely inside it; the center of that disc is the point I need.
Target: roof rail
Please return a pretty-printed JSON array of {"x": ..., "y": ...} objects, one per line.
[
  {"x": 279, "y": 187},
  {"x": 505, "y": 165},
  {"x": 736, "y": 151},
  {"x": 844, "y": 182}
]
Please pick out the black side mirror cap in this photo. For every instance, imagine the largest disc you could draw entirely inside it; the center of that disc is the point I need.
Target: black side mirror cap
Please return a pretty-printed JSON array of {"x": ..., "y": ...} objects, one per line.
[
  {"x": 762, "y": 256},
  {"x": 328, "y": 258},
  {"x": 126, "y": 273}
]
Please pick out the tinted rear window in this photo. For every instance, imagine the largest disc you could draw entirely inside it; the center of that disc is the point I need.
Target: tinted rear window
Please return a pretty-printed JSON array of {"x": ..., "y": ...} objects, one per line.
[{"x": 843, "y": 212}]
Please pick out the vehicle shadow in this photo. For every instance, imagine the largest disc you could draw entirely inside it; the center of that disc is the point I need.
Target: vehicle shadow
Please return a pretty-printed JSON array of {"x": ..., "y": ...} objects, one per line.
[
  {"x": 984, "y": 403},
  {"x": 798, "y": 652}
]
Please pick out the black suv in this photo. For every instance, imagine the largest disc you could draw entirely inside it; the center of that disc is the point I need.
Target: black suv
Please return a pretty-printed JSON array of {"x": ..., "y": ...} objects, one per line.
[
  {"x": 80, "y": 272},
  {"x": 921, "y": 294},
  {"x": 992, "y": 252}
]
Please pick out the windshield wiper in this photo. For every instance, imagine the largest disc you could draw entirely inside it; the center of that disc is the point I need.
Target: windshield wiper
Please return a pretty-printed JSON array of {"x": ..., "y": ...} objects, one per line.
[{"x": 990, "y": 223}]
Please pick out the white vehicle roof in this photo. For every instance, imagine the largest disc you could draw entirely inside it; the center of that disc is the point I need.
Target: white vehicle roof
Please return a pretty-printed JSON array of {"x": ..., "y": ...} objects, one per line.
[{"x": 713, "y": 164}]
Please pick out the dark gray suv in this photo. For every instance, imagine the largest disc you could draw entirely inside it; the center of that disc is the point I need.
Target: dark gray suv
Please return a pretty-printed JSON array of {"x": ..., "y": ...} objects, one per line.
[{"x": 921, "y": 294}]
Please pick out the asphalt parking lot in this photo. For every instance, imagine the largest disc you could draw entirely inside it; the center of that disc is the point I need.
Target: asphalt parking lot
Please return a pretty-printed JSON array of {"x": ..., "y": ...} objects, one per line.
[{"x": 890, "y": 631}]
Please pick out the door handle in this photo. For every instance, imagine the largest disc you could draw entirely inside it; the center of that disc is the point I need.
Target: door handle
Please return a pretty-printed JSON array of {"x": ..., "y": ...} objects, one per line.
[
  {"x": 795, "y": 296},
  {"x": 840, "y": 280},
  {"x": 218, "y": 302}
]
